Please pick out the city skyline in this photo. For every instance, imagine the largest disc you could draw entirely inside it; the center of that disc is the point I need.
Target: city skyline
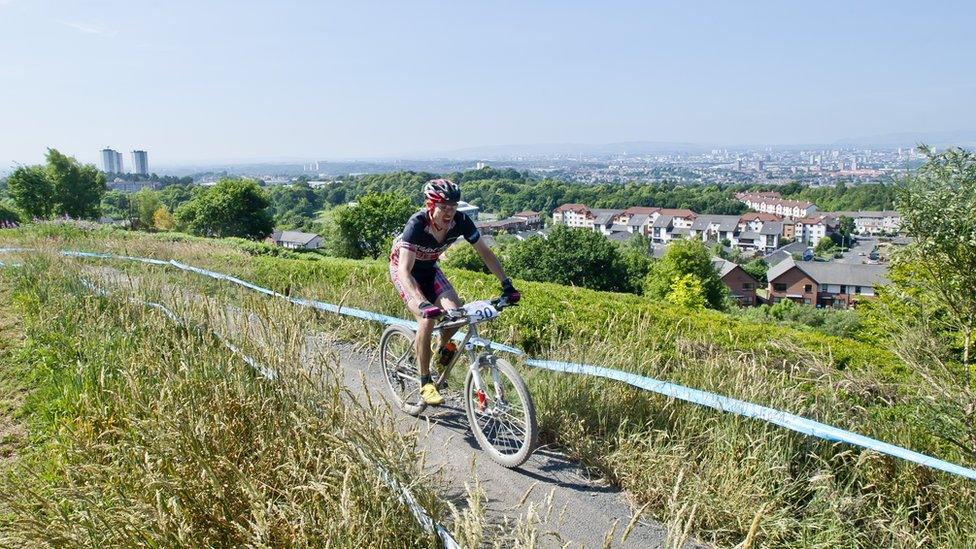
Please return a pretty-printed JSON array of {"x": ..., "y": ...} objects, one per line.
[{"x": 226, "y": 82}]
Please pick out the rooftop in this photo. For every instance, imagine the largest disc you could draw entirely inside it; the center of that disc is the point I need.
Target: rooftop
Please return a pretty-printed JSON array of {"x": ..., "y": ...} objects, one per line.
[{"x": 832, "y": 272}]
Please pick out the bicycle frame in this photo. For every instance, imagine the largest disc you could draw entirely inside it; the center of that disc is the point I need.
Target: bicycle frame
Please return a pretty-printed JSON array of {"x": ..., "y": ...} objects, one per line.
[{"x": 476, "y": 358}]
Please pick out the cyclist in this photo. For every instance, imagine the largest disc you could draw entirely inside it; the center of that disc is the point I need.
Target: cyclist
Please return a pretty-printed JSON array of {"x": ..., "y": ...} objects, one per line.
[{"x": 420, "y": 282}]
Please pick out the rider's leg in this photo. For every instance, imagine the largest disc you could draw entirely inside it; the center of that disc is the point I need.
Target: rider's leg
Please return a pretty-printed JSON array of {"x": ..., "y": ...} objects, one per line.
[
  {"x": 425, "y": 326},
  {"x": 448, "y": 300}
]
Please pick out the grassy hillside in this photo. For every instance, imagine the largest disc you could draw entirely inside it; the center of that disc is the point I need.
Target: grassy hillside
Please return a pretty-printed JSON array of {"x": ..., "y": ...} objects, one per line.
[
  {"x": 142, "y": 432},
  {"x": 722, "y": 474}
]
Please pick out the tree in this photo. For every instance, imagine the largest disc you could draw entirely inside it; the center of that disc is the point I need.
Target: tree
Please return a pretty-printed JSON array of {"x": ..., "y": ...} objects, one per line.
[
  {"x": 144, "y": 204},
  {"x": 174, "y": 196},
  {"x": 683, "y": 257},
  {"x": 845, "y": 230},
  {"x": 162, "y": 219},
  {"x": 115, "y": 204},
  {"x": 8, "y": 214},
  {"x": 32, "y": 191},
  {"x": 687, "y": 292},
  {"x": 845, "y": 225},
  {"x": 757, "y": 268},
  {"x": 636, "y": 258},
  {"x": 232, "y": 207},
  {"x": 462, "y": 256},
  {"x": 78, "y": 188},
  {"x": 824, "y": 246},
  {"x": 938, "y": 209},
  {"x": 572, "y": 257},
  {"x": 367, "y": 229}
]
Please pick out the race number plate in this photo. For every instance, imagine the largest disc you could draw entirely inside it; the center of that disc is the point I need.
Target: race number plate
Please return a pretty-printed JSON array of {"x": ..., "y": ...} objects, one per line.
[{"x": 480, "y": 311}]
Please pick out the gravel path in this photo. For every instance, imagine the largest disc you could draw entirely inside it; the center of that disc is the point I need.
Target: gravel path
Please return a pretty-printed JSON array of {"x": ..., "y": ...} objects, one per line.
[{"x": 573, "y": 509}]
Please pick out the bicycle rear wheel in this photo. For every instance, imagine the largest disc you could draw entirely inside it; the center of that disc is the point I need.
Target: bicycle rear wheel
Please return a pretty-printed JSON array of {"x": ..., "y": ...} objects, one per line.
[
  {"x": 399, "y": 363},
  {"x": 502, "y": 416}
]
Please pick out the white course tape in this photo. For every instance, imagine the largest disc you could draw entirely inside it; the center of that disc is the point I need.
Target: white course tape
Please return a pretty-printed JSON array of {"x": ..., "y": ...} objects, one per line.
[{"x": 680, "y": 392}]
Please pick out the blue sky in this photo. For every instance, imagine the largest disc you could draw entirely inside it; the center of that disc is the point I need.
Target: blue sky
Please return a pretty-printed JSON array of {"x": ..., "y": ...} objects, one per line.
[{"x": 198, "y": 81}]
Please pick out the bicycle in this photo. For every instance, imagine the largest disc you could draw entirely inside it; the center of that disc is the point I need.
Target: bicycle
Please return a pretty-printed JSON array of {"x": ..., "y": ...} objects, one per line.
[{"x": 502, "y": 418}]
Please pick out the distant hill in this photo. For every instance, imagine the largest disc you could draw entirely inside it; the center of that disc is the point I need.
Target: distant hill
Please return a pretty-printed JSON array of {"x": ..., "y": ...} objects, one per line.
[
  {"x": 910, "y": 139},
  {"x": 490, "y": 152}
]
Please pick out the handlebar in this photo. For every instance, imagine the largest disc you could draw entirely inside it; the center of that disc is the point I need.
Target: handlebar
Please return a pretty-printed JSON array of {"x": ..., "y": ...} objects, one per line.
[{"x": 460, "y": 316}]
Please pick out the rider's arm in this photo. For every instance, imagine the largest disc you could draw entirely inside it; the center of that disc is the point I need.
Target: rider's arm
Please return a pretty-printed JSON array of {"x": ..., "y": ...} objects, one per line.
[
  {"x": 490, "y": 259},
  {"x": 404, "y": 267}
]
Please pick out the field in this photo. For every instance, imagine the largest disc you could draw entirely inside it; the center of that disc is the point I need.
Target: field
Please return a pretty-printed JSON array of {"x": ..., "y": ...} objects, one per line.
[{"x": 728, "y": 478}]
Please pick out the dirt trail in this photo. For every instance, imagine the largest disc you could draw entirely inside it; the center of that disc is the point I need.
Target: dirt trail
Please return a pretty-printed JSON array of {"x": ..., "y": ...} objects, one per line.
[
  {"x": 12, "y": 430},
  {"x": 573, "y": 509}
]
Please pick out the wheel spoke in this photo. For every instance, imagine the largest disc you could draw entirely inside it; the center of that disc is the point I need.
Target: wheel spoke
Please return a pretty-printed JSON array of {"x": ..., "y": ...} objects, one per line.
[
  {"x": 502, "y": 423},
  {"x": 400, "y": 369}
]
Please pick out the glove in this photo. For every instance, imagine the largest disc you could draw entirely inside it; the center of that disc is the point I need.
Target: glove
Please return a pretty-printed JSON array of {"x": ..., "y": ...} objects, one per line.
[
  {"x": 429, "y": 310},
  {"x": 509, "y": 292}
]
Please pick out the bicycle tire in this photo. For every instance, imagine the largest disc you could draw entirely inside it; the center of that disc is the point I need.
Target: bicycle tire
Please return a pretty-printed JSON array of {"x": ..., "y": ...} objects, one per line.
[
  {"x": 505, "y": 455},
  {"x": 406, "y": 398}
]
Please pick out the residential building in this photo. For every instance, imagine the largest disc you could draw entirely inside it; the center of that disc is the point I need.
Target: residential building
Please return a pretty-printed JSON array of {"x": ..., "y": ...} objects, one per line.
[
  {"x": 771, "y": 202},
  {"x": 789, "y": 229},
  {"x": 787, "y": 251},
  {"x": 812, "y": 229},
  {"x": 824, "y": 284},
  {"x": 584, "y": 217},
  {"x": 668, "y": 224},
  {"x": 603, "y": 221},
  {"x": 112, "y": 161},
  {"x": 295, "y": 240},
  {"x": 132, "y": 186},
  {"x": 873, "y": 222},
  {"x": 662, "y": 229},
  {"x": 509, "y": 225},
  {"x": 468, "y": 209},
  {"x": 625, "y": 216},
  {"x": 140, "y": 162},
  {"x": 742, "y": 285},
  {"x": 637, "y": 219},
  {"x": 753, "y": 221},
  {"x": 769, "y": 236},
  {"x": 639, "y": 224},
  {"x": 715, "y": 227},
  {"x": 532, "y": 219},
  {"x": 573, "y": 215},
  {"x": 681, "y": 218}
]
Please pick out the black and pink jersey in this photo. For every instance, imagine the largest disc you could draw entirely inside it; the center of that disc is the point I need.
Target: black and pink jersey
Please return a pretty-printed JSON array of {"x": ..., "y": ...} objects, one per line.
[{"x": 416, "y": 236}]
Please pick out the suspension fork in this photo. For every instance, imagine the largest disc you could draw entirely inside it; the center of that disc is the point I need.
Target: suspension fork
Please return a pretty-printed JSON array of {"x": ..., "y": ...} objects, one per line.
[{"x": 476, "y": 360}]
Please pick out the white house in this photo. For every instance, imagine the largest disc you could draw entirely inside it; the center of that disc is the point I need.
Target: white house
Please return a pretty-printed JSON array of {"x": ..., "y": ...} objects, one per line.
[
  {"x": 573, "y": 215},
  {"x": 468, "y": 209},
  {"x": 295, "y": 240},
  {"x": 873, "y": 222},
  {"x": 812, "y": 229},
  {"x": 532, "y": 219}
]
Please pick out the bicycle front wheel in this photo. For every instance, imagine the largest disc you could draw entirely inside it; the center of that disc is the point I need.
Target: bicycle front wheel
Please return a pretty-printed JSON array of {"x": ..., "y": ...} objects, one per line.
[
  {"x": 501, "y": 415},
  {"x": 399, "y": 362}
]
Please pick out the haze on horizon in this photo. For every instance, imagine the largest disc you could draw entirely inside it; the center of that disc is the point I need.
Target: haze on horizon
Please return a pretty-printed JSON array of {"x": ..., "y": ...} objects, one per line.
[{"x": 192, "y": 82}]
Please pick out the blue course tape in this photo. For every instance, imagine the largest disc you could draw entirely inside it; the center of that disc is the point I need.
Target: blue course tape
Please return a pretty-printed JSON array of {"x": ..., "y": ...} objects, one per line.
[
  {"x": 420, "y": 514},
  {"x": 680, "y": 392},
  {"x": 748, "y": 409}
]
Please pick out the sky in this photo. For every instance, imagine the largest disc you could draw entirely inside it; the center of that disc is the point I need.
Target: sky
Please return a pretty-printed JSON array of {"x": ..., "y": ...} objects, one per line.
[{"x": 235, "y": 80}]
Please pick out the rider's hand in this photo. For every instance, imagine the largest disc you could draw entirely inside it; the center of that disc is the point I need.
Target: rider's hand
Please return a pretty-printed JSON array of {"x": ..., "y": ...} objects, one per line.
[
  {"x": 429, "y": 310},
  {"x": 509, "y": 292}
]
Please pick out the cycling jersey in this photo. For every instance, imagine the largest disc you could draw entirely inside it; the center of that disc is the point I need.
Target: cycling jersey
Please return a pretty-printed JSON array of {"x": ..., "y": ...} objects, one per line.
[{"x": 417, "y": 237}]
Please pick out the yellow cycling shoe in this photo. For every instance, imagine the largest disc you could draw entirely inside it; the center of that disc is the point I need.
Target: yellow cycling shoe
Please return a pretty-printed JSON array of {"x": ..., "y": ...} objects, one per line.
[{"x": 430, "y": 395}]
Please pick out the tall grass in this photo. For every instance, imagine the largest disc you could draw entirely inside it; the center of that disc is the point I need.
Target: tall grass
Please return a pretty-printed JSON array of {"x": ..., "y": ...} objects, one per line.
[
  {"x": 727, "y": 479},
  {"x": 147, "y": 433}
]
